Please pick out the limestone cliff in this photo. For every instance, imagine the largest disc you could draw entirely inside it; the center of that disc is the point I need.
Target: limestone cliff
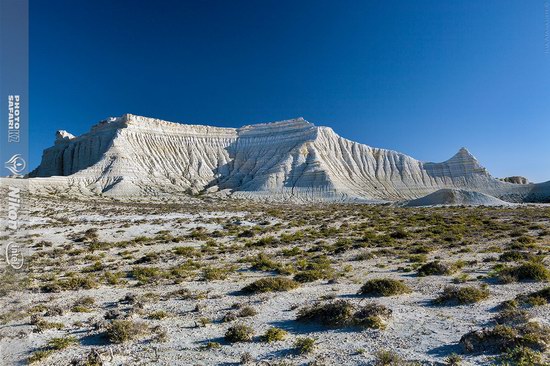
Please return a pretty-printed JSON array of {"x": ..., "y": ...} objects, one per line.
[{"x": 133, "y": 155}]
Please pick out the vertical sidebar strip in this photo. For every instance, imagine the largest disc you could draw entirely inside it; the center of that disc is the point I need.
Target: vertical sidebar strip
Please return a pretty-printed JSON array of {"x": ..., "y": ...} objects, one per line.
[{"x": 14, "y": 157}]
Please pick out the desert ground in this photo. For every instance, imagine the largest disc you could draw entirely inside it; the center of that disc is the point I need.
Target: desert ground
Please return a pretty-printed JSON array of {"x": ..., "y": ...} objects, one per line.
[{"x": 222, "y": 282}]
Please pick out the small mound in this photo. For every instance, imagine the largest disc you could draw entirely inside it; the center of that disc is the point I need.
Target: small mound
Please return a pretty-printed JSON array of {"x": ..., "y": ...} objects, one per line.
[{"x": 456, "y": 197}]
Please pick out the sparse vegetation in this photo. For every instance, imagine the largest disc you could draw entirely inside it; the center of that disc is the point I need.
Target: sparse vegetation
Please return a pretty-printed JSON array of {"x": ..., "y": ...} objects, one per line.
[
  {"x": 453, "y": 295},
  {"x": 528, "y": 271},
  {"x": 304, "y": 345},
  {"x": 342, "y": 313},
  {"x": 271, "y": 284},
  {"x": 121, "y": 331},
  {"x": 436, "y": 268},
  {"x": 137, "y": 281},
  {"x": 239, "y": 333},
  {"x": 384, "y": 287},
  {"x": 274, "y": 334}
]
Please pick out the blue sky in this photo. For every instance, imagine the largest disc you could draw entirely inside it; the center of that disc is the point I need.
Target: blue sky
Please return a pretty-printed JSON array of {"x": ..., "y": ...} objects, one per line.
[{"x": 424, "y": 77}]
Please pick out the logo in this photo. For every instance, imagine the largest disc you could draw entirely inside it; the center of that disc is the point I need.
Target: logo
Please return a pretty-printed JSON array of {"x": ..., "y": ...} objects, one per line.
[
  {"x": 16, "y": 164},
  {"x": 14, "y": 256}
]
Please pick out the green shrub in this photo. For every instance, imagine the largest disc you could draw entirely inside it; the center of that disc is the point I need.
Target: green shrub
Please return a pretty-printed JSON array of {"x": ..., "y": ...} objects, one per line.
[
  {"x": 304, "y": 345},
  {"x": 512, "y": 316},
  {"x": 316, "y": 269},
  {"x": 146, "y": 275},
  {"x": 186, "y": 251},
  {"x": 211, "y": 345},
  {"x": 39, "y": 355},
  {"x": 384, "y": 287},
  {"x": 436, "y": 268},
  {"x": 274, "y": 334},
  {"x": 537, "y": 298},
  {"x": 263, "y": 262},
  {"x": 528, "y": 271},
  {"x": 158, "y": 315},
  {"x": 399, "y": 234},
  {"x": 239, "y": 333},
  {"x": 503, "y": 337},
  {"x": 453, "y": 295},
  {"x": 271, "y": 284},
  {"x": 453, "y": 360},
  {"x": 521, "y": 356},
  {"x": 121, "y": 331},
  {"x": 387, "y": 358},
  {"x": 42, "y": 325},
  {"x": 342, "y": 313},
  {"x": 59, "y": 343},
  {"x": 219, "y": 273},
  {"x": 247, "y": 311},
  {"x": 515, "y": 256}
]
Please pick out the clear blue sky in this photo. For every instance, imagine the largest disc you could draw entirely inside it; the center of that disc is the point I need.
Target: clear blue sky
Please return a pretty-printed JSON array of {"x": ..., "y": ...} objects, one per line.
[{"x": 421, "y": 77}]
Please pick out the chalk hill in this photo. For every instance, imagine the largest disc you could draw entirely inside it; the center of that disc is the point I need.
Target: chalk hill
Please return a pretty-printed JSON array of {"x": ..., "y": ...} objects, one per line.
[{"x": 293, "y": 159}]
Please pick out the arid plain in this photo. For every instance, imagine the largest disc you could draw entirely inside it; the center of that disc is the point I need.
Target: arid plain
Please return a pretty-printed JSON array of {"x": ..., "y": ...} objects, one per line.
[{"x": 240, "y": 282}]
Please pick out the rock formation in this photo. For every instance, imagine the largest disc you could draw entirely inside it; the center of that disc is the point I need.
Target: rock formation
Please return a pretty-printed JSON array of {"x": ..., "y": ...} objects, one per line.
[
  {"x": 515, "y": 180},
  {"x": 455, "y": 197},
  {"x": 293, "y": 159}
]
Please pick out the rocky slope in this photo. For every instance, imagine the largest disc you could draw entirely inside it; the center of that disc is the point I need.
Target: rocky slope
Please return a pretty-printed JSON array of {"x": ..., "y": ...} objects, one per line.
[
  {"x": 456, "y": 197},
  {"x": 293, "y": 159}
]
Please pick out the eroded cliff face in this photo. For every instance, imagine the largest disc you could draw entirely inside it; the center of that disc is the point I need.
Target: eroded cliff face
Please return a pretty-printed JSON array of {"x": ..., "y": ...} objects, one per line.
[{"x": 132, "y": 155}]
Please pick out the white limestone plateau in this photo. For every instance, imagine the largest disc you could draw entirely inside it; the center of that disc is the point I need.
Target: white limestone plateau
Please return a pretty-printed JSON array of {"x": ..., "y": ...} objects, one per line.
[{"x": 133, "y": 156}]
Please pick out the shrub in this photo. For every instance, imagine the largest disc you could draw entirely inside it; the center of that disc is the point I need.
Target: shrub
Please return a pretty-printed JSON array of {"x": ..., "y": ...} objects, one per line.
[
  {"x": 499, "y": 338},
  {"x": 71, "y": 284},
  {"x": 335, "y": 314},
  {"x": 263, "y": 262},
  {"x": 512, "y": 316},
  {"x": 247, "y": 358},
  {"x": 158, "y": 315},
  {"x": 247, "y": 311},
  {"x": 521, "y": 356},
  {"x": 186, "y": 251},
  {"x": 436, "y": 268},
  {"x": 462, "y": 295},
  {"x": 372, "y": 316},
  {"x": 304, "y": 345},
  {"x": 271, "y": 284},
  {"x": 211, "y": 345},
  {"x": 342, "y": 313},
  {"x": 120, "y": 331},
  {"x": 274, "y": 334},
  {"x": 536, "y": 298},
  {"x": 59, "y": 343},
  {"x": 39, "y": 355},
  {"x": 503, "y": 337},
  {"x": 42, "y": 325},
  {"x": 239, "y": 333},
  {"x": 212, "y": 274},
  {"x": 87, "y": 301},
  {"x": 384, "y": 287},
  {"x": 528, "y": 271},
  {"x": 399, "y": 234},
  {"x": 453, "y": 360},
  {"x": 365, "y": 255},
  {"x": 147, "y": 274},
  {"x": 316, "y": 269},
  {"x": 387, "y": 358},
  {"x": 515, "y": 256}
]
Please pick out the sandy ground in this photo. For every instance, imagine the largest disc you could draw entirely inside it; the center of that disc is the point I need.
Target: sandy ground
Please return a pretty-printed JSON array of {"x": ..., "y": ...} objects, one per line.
[{"x": 418, "y": 330}]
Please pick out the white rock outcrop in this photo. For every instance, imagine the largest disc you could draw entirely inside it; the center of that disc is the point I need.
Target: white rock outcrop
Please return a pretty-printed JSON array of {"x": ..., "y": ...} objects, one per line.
[
  {"x": 134, "y": 155},
  {"x": 455, "y": 197}
]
